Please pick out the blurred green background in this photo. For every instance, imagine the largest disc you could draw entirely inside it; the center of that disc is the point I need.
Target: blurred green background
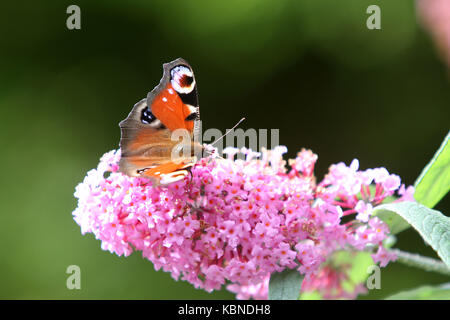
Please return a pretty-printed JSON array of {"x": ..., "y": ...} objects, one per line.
[{"x": 310, "y": 68}]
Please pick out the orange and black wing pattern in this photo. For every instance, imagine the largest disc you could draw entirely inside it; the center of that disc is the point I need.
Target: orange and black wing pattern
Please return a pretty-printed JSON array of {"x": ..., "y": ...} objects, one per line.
[{"x": 146, "y": 134}]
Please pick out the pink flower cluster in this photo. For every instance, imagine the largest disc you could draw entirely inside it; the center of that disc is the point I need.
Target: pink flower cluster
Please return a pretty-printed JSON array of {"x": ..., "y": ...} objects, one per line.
[
  {"x": 237, "y": 221},
  {"x": 435, "y": 15}
]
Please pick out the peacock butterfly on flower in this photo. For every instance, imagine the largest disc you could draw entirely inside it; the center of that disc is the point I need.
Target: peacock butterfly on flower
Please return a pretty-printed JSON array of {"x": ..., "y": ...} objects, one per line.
[{"x": 147, "y": 143}]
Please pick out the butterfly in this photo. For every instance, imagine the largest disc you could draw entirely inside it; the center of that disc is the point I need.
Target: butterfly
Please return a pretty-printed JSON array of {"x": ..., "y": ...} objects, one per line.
[{"x": 147, "y": 144}]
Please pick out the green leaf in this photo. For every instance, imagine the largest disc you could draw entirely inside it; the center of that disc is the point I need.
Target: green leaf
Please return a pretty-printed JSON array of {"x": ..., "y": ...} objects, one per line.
[
  {"x": 358, "y": 272},
  {"x": 285, "y": 285},
  {"x": 311, "y": 295},
  {"x": 441, "y": 292},
  {"x": 394, "y": 221},
  {"x": 432, "y": 225},
  {"x": 434, "y": 181},
  {"x": 355, "y": 265}
]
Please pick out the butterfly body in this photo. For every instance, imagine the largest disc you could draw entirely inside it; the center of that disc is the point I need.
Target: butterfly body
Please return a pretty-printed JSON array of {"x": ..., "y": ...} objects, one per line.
[{"x": 149, "y": 135}]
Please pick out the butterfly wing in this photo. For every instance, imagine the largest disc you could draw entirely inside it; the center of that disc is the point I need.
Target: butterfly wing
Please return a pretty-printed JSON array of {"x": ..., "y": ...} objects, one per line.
[{"x": 146, "y": 134}]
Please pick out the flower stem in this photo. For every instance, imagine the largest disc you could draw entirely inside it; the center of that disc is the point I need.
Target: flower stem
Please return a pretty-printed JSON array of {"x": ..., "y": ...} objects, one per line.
[{"x": 418, "y": 261}]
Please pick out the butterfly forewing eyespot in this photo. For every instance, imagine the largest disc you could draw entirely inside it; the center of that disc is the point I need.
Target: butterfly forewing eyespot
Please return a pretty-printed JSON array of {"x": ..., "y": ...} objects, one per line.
[{"x": 182, "y": 79}]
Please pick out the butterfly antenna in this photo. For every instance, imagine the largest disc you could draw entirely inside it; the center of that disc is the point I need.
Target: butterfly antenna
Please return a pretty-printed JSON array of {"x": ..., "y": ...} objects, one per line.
[
  {"x": 211, "y": 153},
  {"x": 229, "y": 130}
]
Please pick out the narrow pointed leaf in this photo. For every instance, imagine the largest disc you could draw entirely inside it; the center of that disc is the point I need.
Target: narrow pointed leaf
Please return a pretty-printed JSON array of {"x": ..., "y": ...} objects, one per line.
[{"x": 434, "y": 181}]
